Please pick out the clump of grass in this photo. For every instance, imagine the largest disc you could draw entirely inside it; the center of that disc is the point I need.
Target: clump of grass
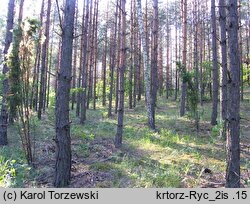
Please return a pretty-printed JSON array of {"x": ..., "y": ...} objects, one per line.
[
  {"x": 101, "y": 166},
  {"x": 83, "y": 150},
  {"x": 13, "y": 173},
  {"x": 148, "y": 173}
]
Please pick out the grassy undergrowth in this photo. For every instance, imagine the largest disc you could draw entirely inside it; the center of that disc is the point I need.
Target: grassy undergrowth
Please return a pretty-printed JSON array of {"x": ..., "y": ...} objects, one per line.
[{"x": 173, "y": 156}]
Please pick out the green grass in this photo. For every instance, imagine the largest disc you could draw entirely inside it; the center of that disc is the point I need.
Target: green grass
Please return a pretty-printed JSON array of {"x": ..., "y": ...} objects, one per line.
[
  {"x": 13, "y": 168},
  {"x": 174, "y": 156}
]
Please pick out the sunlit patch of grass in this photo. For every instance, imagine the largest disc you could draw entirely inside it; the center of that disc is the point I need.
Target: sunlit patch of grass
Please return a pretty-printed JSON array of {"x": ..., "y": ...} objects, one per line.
[
  {"x": 174, "y": 155},
  {"x": 13, "y": 168},
  {"x": 146, "y": 173}
]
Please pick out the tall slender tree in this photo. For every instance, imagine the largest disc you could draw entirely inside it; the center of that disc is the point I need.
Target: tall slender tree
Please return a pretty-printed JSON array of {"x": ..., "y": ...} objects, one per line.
[
  {"x": 118, "y": 59},
  {"x": 104, "y": 62},
  {"x": 118, "y": 136},
  {"x": 151, "y": 121},
  {"x": 79, "y": 80},
  {"x": 154, "y": 65},
  {"x": 131, "y": 57},
  {"x": 62, "y": 139},
  {"x": 223, "y": 42},
  {"x": 75, "y": 55},
  {"x": 112, "y": 62},
  {"x": 92, "y": 55},
  {"x": 36, "y": 71},
  {"x": 95, "y": 54},
  {"x": 215, "y": 67},
  {"x": 8, "y": 40},
  {"x": 44, "y": 64},
  {"x": 184, "y": 56},
  {"x": 14, "y": 75},
  {"x": 233, "y": 111},
  {"x": 84, "y": 61}
]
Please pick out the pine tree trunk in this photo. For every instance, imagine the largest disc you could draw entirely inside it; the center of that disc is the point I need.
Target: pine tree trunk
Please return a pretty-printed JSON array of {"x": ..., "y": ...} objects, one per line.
[
  {"x": 201, "y": 28},
  {"x": 151, "y": 121},
  {"x": 34, "y": 89},
  {"x": 160, "y": 64},
  {"x": 240, "y": 53},
  {"x": 248, "y": 45},
  {"x": 44, "y": 63},
  {"x": 176, "y": 54},
  {"x": 84, "y": 61},
  {"x": 167, "y": 65},
  {"x": 63, "y": 140},
  {"x": 233, "y": 111},
  {"x": 154, "y": 68},
  {"x": 91, "y": 56},
  {"x": 104, "y": 64},
  {"x": 112, "y": 63},
  {"x": 215, "y": 67},
  {"x": 95, "y": 50},
  {"x": 75, "y": 48},
  {"x": 4, "y": 108},
  {"x": 131, "y": 58},
  {"x": 223, "y": 91},
  {"x": 184, "y": 58},
  {"x": 139, "y": 71},
  {"x": 118, "y": 61},
  {"x": 136, "y": 58},
  {"x": 79, "y": 80},
  {"x": 50, "y": 61},
  {"x": 118, "y": 136}
]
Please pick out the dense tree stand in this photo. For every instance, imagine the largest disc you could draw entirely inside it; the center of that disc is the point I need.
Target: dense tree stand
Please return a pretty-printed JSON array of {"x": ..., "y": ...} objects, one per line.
[{"x": 116, "y": 93}]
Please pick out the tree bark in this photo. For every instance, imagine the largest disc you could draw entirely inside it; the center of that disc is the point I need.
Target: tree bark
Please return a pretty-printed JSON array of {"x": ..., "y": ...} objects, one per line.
[
  {"x": 44, "y": 63},
  {"x": 154, "y": 65},
  {"x": 184, "y": 58},
  {"x": 176, "y": 55},
  {"x": 215, "y": 67},
  {"x": 75, "y": 52},
  {"x": 240, "y": 52},
  {"x": 167, "y": 61},
  {"x": 118, "y": 61},
  {"x": 137, "y": 58},
  {"x": 95, "y": 54},
  {"x": 104, "y": 65},
  {"x": 79, "y": 80},
  {"x": 84, "y": 62},
  {"x": 151, "y": 121},
  {"x": 34, "y": 89},
  {"x": 223, "y": 40},
  {"x": 233, "y": 112},
  {"x": 131, "y": 58},
  {"x": 91, "y": 56},
  {"x": 4, "y": 108},
  {"x": 120, "y": 115},
  {"x": 63, "y": 140},
  {"x": 202, "y": 49},
  {"x": 50, "y": 62},
  {"x": 112, "y": 64}
]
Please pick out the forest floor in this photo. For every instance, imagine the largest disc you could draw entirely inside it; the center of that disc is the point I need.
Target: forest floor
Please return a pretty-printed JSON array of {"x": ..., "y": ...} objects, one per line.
[{"x": 174, "y": 156}]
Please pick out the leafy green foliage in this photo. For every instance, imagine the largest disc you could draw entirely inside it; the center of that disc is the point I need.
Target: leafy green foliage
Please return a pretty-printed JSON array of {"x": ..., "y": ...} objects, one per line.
[
  {"x": 76, "y": 90},
  {"x": 12, "y": 171},
  {"x": 188, "y": 77},
  {"x": 15, "y": 96},
  {"x": 19, "y": 61}
]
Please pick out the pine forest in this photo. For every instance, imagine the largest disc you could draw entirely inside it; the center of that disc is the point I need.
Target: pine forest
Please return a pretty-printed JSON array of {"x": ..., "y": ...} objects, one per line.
[{"x": 125, "y": 93}]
